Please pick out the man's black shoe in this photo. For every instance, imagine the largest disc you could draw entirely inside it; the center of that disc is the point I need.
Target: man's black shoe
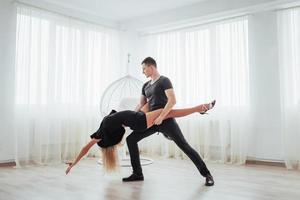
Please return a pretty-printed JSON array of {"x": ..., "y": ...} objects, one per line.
[
  {"x": 209, "y": 180},
  {"x": 134, "y": 177}
]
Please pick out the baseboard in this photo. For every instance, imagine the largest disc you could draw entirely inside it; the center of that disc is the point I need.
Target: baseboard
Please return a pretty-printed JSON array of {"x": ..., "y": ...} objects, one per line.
[
  {"x": 266, "y": 162},
  {"x": 8, "y": 163}
]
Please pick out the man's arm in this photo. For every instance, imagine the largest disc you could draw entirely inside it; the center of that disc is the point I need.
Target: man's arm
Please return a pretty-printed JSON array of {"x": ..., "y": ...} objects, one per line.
[{"x": 168, "y": 107}]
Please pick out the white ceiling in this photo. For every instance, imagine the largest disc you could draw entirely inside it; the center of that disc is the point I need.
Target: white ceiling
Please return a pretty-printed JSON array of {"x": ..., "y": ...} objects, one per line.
[{"x": 119, "y": 10}]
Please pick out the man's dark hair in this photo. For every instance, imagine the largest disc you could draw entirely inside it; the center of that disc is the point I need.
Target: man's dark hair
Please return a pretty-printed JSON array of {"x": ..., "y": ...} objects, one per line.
[{"x": 149, "y": 61}]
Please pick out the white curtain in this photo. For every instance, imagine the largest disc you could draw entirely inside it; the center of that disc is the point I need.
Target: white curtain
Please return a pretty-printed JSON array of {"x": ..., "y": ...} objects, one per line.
[
  {"x": 62, "y": 67},
  {"x": 289, "y": 65},
  {"x": 205, "y": 63}
]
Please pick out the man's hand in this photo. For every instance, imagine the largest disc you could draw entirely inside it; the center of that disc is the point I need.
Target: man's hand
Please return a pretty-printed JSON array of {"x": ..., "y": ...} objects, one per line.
[{"x": 158, "y": 121}]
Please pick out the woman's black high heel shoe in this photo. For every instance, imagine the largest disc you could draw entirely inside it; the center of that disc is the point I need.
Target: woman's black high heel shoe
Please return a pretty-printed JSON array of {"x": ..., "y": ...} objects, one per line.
[{"x": 211, "y": 105}]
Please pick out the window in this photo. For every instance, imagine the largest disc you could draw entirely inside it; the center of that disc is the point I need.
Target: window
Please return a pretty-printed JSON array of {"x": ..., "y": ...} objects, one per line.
[
  {"x": 61, "y": 60},
  {"x": 205, "y": 62}
]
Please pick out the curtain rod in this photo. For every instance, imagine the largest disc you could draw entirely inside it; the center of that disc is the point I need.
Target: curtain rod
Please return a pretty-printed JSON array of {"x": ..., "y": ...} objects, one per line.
[
  {"x": 288, "y": 8},
  {"x": 197, "y": 23},
  {"x": 16, "y": 2}
]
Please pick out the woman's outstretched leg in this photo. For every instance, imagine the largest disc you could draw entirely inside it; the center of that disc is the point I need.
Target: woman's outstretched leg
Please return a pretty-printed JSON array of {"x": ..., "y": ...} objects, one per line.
[{"x": 175, "y": 113}]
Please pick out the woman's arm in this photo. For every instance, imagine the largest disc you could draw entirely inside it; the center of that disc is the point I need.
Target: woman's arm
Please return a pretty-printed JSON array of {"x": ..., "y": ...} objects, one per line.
[{"x": 83, "y": 151}]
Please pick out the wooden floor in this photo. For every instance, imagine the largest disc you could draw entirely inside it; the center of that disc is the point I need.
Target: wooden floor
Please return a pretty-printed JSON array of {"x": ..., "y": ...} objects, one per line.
[{"x": 165, "y": 179}]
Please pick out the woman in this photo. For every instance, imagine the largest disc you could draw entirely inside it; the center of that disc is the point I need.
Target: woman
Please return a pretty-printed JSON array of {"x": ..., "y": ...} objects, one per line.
[{"x": 111, "y": 130}]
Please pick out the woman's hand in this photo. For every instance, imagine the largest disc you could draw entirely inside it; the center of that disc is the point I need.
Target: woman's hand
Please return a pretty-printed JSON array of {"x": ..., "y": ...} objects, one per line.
[
  {"x": 158, "y": 121},
  {"x": 69, "y": 168}
]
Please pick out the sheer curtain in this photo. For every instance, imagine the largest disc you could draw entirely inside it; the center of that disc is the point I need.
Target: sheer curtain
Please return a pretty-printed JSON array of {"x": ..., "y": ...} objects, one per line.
[
  {"x": 289, "y": 62},
  {"x": 205, "y": 63},
  {"x": 62, "y": 67}
]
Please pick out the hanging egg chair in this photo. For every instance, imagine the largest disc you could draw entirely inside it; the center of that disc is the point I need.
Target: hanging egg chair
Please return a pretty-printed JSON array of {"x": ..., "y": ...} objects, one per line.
[
  {"x": 126, "y": 88},
  {"x": 123, "y": 94}
]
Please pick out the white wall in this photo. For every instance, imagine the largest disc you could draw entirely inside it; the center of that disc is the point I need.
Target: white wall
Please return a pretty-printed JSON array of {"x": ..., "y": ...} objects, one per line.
[
  {"x": 130, "y": 45},
  {"x": 265, "y": 142},
  {"x": 7, "y": 51}
]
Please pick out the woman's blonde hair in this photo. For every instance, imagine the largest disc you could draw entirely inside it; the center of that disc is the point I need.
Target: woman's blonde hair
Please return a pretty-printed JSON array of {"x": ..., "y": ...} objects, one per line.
[{"x": 110, "y": 158}]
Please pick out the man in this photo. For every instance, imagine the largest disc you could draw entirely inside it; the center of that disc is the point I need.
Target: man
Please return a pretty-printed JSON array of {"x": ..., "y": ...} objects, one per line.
[{"x": 159, "y": 93}]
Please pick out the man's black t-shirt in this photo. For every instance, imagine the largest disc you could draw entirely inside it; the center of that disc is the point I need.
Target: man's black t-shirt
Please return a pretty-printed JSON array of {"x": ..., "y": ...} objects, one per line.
[{"x": 155, "y": 92}]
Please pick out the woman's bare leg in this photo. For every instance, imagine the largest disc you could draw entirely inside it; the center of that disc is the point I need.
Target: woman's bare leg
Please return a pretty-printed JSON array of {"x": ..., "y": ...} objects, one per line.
[
  {"x": 175, "y": 113},
  {"x": 151, "y": 116}
]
